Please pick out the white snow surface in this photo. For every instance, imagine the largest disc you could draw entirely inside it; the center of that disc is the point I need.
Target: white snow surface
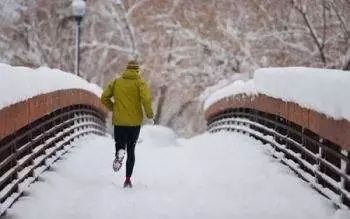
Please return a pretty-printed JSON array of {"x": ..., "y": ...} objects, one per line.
[
  {"x": 158, "y": 136},
  {"x": 21, "y": 83},
  {"x": 224, "y": 175},
  {"x": 323, "y": 90}
]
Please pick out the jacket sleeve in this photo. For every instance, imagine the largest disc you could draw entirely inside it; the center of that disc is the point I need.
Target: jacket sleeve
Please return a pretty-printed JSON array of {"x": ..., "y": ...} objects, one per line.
[
  {"x": 106, "y": 96},
  {"x": 146, "y": 99}
]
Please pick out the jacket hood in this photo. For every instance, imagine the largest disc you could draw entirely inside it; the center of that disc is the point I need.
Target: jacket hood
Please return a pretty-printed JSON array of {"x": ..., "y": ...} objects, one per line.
[{"x": 131, "y": 74}]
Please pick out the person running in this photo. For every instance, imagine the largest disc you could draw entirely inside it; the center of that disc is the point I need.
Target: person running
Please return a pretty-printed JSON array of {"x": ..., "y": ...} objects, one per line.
[{"x": 125, "y": 97}]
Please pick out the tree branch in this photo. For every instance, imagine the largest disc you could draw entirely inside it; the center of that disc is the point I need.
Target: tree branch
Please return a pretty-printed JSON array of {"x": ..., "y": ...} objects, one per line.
[
  {"x": 312, "y": 31},
  {"x": 341, "y": 20},
  {"x": 128, "y": 27}
]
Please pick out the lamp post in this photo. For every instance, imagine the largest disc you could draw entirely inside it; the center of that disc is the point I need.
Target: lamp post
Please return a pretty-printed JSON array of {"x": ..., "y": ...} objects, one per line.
[{"x": 79, "y": 7}]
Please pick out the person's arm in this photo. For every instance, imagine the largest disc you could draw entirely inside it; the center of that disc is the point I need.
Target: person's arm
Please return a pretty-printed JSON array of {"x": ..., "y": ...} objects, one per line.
[
  {"x": 146, "y": 99},
  {"x": 107, "y": 95}
]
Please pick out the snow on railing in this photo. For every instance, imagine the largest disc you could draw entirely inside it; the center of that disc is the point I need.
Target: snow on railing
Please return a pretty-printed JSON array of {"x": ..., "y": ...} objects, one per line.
[
  {"x": 21, "y": 83},
  {"x": 302, "y": 113},
  {"x": 42, "y": 112},
  {"x": 322, "y": 90}
]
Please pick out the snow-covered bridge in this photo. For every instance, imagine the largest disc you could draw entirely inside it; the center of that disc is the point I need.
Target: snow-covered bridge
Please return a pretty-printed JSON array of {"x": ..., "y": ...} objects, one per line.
[
  {"x": 220, "y": 175},
  {"x": 223, "y": 175}
]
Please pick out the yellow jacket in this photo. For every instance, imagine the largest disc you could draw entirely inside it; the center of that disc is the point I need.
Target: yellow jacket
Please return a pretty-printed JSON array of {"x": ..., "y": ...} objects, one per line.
[{"x": 129, "y": 93}]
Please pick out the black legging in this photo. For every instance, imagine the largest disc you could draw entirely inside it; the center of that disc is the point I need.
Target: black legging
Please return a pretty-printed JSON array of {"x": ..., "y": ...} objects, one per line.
[{"x": 126, "y": 136}]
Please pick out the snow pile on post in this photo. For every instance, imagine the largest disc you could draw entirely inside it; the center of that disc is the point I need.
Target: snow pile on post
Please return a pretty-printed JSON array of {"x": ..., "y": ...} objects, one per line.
[
  {"x": 21, "y": 83},
  {"x": 322, "y": 90}
]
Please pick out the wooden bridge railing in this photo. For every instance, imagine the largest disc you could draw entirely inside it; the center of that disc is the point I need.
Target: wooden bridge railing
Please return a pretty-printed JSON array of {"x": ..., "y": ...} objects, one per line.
[
  {"x": 36, "y": 132},
  {"x": 312, "y": 145}
]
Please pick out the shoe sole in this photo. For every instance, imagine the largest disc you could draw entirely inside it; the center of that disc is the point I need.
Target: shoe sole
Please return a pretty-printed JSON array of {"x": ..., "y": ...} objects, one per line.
[{"x": 118, "y": 163}]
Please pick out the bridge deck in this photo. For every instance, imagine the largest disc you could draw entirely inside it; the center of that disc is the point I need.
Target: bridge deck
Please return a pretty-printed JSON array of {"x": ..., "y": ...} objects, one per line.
[{"x": 222, "y": 175}]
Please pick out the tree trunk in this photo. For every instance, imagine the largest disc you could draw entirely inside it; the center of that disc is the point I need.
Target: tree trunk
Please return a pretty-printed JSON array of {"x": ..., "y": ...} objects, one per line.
[
  {"x": 346, "y": 67},
  {"x": 163, "y": 90},
  {"x": 179, "y": 112}
]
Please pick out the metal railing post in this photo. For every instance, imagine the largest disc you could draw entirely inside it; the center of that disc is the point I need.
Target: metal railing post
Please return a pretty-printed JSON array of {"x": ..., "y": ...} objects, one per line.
[{"x": 343, "y": 168}]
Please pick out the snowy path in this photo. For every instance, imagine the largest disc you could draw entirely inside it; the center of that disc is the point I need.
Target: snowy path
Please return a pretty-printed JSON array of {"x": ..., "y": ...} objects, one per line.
[{"x": 210, "y": 176}]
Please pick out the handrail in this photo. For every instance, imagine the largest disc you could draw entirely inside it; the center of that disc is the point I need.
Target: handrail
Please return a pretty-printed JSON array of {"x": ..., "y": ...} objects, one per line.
[
  {"x": 18, "y": 115},
  {"x": 22, "y": 135},
  {"x": 28, "y": 151},
  {"x": 335, "y": 130},
  {"x": 320, "y": 162}
]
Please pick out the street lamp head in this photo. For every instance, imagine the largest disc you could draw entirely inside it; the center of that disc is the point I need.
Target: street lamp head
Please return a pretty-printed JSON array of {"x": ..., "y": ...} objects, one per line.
[{"x": 79, "y": 8}]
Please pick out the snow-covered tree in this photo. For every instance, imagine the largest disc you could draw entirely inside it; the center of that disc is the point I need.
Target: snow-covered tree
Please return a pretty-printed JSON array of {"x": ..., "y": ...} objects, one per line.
[{"x": 183, "y": 46}]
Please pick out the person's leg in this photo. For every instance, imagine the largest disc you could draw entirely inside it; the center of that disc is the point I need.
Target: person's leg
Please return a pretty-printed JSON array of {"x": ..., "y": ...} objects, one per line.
[
  {"x": 133, "y": 135},
  {"x": 120, "y": 138}
]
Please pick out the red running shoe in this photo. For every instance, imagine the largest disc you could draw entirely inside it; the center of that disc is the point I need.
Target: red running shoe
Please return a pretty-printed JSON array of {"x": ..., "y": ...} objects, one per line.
[{"x": 127, "y": 183}]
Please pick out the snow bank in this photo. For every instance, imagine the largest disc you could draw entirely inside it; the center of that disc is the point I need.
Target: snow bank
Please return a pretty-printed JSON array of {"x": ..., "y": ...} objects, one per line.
[
  {"x": 323, "y": 90},
  {"x": 21, "y": 83},
  {"x": 158, "y": 136}
]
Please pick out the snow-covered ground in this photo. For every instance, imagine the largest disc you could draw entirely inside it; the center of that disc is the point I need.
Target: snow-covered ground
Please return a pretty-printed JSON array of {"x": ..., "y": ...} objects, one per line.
[
  {"x": 323, "y": 90},
  {"x": 224, "y": 175},
  {"x": 21, "y": 83}
]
